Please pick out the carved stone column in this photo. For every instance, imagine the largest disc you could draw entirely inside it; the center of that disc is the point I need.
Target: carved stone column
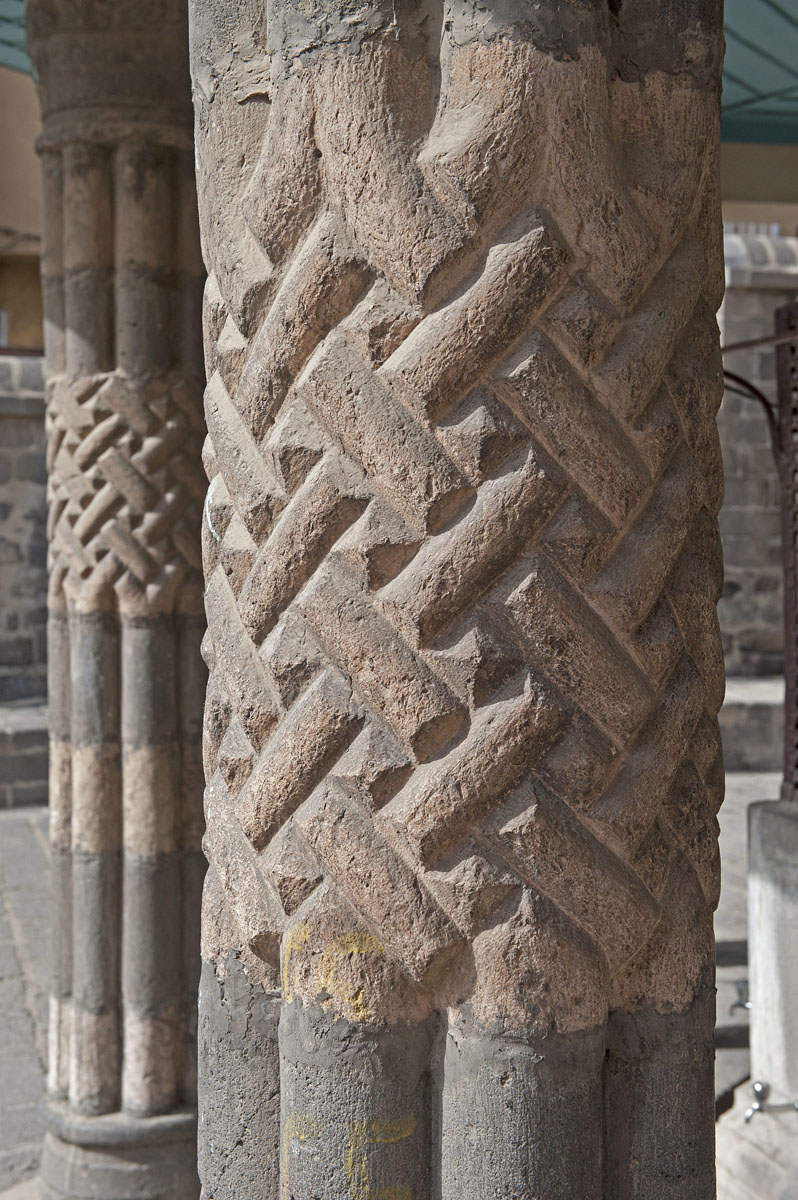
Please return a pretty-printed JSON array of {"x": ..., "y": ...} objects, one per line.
[
  {"x": 461, "y": 568},
  {"x": 122, "y": 281}
]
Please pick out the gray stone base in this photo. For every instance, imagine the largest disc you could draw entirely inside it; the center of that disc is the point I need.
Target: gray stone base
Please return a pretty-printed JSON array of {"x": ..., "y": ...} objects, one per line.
[
  {"x": 239, "y": 1085},
  {"x": 752, "y": 724},
  {"x": 119, "y": 1158}
]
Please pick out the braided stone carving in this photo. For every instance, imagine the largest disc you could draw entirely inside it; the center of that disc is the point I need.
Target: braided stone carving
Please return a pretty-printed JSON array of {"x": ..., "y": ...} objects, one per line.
[
  {"x": 125, "y": 499},
  {"x": 462, "y": 565}
]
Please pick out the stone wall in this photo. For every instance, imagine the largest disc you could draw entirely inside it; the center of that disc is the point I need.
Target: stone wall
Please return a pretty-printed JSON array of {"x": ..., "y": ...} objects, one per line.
[
  {"x": 761, "y": 275},
  {"x": 23, "y": 545},
  {"x": 23, "y": 584}
]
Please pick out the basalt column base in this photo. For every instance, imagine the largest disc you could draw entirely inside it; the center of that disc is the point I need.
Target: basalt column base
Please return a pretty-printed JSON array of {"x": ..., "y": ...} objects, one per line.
[{"x": 118, "y": 1157}]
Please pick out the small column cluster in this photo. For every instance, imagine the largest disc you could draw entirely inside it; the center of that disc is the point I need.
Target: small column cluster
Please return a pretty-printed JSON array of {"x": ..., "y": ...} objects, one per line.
[{"x": 122, "y": 280}]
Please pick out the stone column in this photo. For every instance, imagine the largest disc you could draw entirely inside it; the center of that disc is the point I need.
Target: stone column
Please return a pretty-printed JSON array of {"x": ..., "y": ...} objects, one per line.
[
  {"x": 461, "y": 568},
  {"x": 122, "y": 281}
]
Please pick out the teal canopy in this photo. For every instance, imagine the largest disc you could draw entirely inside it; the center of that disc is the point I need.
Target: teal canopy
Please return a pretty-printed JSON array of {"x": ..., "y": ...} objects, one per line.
[
  {"x": 760, "y": 72},
  {"x": 12, "y": 35},
  {"x": 760, "y": 75}
]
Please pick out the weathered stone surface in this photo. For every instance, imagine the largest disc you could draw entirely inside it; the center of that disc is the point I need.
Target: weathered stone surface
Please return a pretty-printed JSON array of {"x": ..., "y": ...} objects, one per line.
[
  {"x": 122, "y": 282},
  {"x": 462, "y": 564}
]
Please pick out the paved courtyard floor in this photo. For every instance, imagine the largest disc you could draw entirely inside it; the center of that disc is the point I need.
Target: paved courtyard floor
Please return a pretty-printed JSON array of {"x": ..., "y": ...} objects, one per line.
[
  {"x": 24, "y": 956},
  {"x": 24, "y": 959}
]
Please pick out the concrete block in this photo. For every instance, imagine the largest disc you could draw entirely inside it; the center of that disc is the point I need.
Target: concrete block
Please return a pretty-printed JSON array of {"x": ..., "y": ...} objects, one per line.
[{"x": 773, "y": 944}]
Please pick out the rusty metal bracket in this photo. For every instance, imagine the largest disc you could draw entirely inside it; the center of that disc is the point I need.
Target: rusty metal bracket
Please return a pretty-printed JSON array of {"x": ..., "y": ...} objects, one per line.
[{"x": 741, "y": 386}]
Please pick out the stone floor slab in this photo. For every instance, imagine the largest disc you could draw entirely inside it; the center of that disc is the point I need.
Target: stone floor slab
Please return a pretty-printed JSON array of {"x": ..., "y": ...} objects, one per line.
[
  {"x": 24, "y": 957},
  {"x": 22, "y": 1191}
]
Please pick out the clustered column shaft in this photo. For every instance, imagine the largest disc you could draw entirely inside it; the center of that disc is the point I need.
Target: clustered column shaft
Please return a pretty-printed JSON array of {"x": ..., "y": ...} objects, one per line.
[
  {"x": 122, "y": 279},
  {"x": 461, "y": 565}
]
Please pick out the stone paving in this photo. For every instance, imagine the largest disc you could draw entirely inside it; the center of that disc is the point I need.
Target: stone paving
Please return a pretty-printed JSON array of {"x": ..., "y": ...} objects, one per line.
[
  {"x": 24, "y": 954},
  {"x": 24, "y": 958}
]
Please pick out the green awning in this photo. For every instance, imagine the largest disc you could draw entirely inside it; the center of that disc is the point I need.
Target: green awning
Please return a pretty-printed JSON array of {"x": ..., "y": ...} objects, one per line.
[
  {"x": 12, "y": 36},
  {"x": 760, "y": 72}
]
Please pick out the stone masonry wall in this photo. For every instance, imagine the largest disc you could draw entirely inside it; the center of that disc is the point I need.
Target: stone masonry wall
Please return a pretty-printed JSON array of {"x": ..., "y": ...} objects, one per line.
[
  {"x": 23, "y": 584},
  {"x": 761, "y": 275},
  {"x": 23, "y": 544}
]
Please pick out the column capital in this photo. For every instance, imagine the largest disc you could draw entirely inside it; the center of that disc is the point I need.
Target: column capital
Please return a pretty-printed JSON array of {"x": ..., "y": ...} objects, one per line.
[{"x": 109, "y": 71}]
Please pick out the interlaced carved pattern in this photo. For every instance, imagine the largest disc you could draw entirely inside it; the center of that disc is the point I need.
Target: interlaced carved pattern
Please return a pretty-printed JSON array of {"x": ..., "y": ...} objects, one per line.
[
  {"x": 125, "y": 500},
  {"x": 461, "y": 559}
]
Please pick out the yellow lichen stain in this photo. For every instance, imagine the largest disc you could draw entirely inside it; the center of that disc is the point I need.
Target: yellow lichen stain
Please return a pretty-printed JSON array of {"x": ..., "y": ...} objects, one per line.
[
  {"x": 345, "y": 1000},
  {"x": 298, "y": 1127},
  {"x": 363, "y": 1134},
  {"x": 297, "y": 936}
]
